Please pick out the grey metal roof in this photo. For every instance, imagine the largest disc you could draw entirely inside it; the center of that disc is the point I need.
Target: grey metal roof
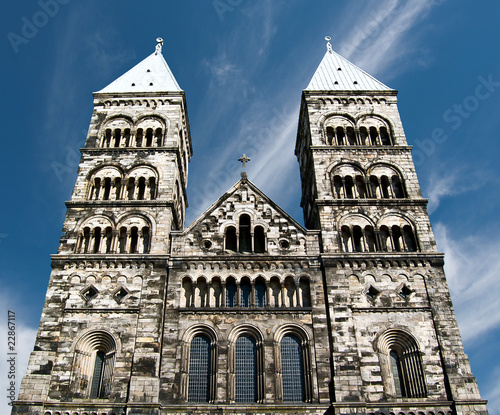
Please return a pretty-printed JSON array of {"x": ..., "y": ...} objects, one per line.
[
  {"x": 150, "y": 75},
  {"x": 336, "y": 73}
]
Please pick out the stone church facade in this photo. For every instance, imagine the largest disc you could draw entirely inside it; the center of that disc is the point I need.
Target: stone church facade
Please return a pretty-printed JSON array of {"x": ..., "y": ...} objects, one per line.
[{"x": 245, "y": 311}]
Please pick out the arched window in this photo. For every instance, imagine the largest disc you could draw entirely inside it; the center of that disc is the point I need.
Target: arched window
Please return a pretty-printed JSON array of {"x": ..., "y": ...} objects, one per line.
[
  {"x": 108, "y": 239},
  {"x": 397, "y": 238},
  {"x": 199, "y": 369},
  {"x": 145, "y": 239},
  {"x": 93, "y": 366},
  {"x": 231, "y": 292},
  {"x": 338, "y": 186},
  {"x": 260, "y": 293},
  {"x": 385, "y": 239},
  {"x": 292, "y": 369},
  {"x": 384, "y": 137},
  {"x": 107, "y": 188},
  {"x": 275, "y": 291},
  {"x": 330, "y": 136},
  {"x": 305, "y": 292},
  {"x": 397, "y": 187},
  {"x": 158, "y": 137},
  {"x": 351, "y": 137},
  {"x": 401, "y": 365},
  {"x": 149, "y": 137},
  {"x": 245, "y": 293},
  {"x": 187, "y": 289},
  {"x": 410, "y": 242},
  {"x": 134, "y": 240},
  {"x": 346, "y": 239},
  {"x": 118, "y": 188},
  {"x": 360, "y": 187},
  {"x": 357, "y": 237},
  {"x": 340, "y": 136},
  {"x": 122, "y": 240},
  {"x": 245, "y": 235},
  {"x": 126, "y": 137},
  {"x": 245, "y": 369},
  {"x": 363, "y": 135},
  {"x": 231, "y": 239},
  {"x": 290, "y": 292},
  {"x": 385, "y": 186},
  {"x": 138, "y": 137},
  {"x": 259, "y": 240},
  {"x": 349, "y": 184},
  {"x": 85, "y": 240},
  {"x": 373, "y": 136},
  {"x": 141, "y": 191},
  {"x": 97, "y": 240},
  {"x": 152, "y": 188},
  {"x": 131, "y": 188},
  {"x": 370, "y": 239}
]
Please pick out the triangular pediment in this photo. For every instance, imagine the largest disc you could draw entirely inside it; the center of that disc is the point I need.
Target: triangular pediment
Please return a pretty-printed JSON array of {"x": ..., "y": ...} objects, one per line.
[
  {"x": 208, "y": 234},
  {"x": 150, "y": 75},
  {"x": 336, "y": 73}
]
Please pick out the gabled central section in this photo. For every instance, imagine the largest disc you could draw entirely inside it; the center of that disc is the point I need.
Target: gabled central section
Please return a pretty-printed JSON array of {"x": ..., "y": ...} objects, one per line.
[{"x": 244, "y": 221}]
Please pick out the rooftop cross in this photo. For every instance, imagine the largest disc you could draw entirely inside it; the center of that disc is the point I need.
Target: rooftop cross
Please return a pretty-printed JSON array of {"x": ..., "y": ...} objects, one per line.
[
  {"x": 244, "y": 159},
  {"x": 158, "y": 45},
  {"x": 328, "y": 44}
]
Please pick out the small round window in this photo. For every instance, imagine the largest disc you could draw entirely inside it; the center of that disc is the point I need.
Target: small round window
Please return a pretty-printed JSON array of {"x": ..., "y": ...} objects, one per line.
[
  {"x": 207, "y": 244},
  {"x": 284, "y": 244}
]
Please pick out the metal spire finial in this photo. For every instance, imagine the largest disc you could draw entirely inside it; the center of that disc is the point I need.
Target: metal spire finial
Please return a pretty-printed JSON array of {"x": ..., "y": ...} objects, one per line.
[
  {"x": 159, "y": 45},
  {"x": 328, "y": 44}
]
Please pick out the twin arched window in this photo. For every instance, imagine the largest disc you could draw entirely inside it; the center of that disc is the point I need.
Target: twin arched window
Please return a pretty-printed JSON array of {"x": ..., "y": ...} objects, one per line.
[
  {"x": 385, "y": 239},
  {"x": 98, "y": 236},
  {"x": 371, "y": 132},
  {"x": 245, "y": 239},
  {"x": 120, "y": 132}
]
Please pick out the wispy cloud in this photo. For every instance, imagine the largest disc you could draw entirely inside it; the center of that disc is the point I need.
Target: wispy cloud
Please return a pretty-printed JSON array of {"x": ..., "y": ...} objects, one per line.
[
  {"x": 473, "y": 279},
  {"x": 384, "y": 34},
  {"x": 453, "y": 184}
]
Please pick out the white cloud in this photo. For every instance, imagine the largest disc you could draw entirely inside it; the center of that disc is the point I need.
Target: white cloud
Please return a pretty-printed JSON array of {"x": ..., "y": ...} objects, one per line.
[
  {"x": 453, "y": 184},
  {"x": 385, "y": 34},
  {"x": 25, "y": 339},
  {"x": 472, "y": 275}
]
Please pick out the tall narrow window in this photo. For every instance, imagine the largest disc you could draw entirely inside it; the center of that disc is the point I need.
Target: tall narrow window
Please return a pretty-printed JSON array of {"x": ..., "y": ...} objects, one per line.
[
  {"x": 134, "y": 240},
  {"x": 357, "y": 236},
  {"x": 245, "y": 293},
  {"x": 305, "y": 292},
  {"x": 246, "y": 369},
  {"x": 397, "y": 375},
  {"x": 351, "y": 136},
  {"x": 107, "y": 188},
  {"x": 145, "y": 239},
  {"x": 245, "y": 236},
  {"x": 363, "y": 136},
  {"x": 141, "y": 188},
  {"x": 330, "y": 136},
  {"x": 152, "y": 188},
  {"x": 138, "y": 137},
  {"x": 97, "y": 240},
  {"x": 108, "y": 236},
  {"x": 231, "y": 293},
  {"x": 95, "y": 387},
  {"x": 131, "y": 188},
  {"x": 199, "y": 370},
  {"x": 338, "y": 186},
  {"x": 259, "y": 240},
  {"x": 373, "y": 136},
  {"x": 292, "y": 368},
  {"x": 349, "y": 184},
  {"x": 411, "y": 243},
  {"x": 397, "y": 187},
  {"x": 149, "y": 137},
  {"x": 231, "y": 238},
  {"x": 260, "y": 293},
  {"x": 340, "y": 136},
  {"x": 384, "y": 136},
  {"x": 122, "y": 241}
]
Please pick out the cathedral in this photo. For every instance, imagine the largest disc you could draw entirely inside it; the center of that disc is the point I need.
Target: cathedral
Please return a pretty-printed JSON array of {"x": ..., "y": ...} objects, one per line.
[{"x": 245, "y": 311}]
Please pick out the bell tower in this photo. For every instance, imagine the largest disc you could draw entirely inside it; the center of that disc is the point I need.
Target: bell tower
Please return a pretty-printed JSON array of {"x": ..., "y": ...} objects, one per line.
[
  {"x": 393, "y": 333},
  {"x": 108, "y": 284}
]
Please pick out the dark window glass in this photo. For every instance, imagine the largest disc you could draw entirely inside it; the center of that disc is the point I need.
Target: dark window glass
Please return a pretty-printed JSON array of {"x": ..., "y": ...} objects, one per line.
[
  {"x": 95, "y": 387},
  {"x": 292, "y": 369},
  {"x": 246, "y": 369},
  {"x": 199, "y": 370}
]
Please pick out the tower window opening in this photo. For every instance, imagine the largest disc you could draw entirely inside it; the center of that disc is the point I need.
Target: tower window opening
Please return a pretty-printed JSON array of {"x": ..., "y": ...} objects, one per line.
[
  {"x": 131, "y": 188},
  {"x": 158, "y": 137},
  {"x": 370, "y": 239},
  {"x": 96, "y": 189},
  {"x": 409, "y": 237},
  {"x": 340, "y": 136},
  {"x": 348, "y": 185},
  {"x": 108, "y": 239},
  {"x": 86, "y": 240},
  {"x": 118, "y": 188},
  {"x": 330, "y": 135},
  {"x": 396, "y": 237},
  {"x": 346, "y": 239},
  {"x": 363, "y": 135},
  {"x": 351, "y": 136},
  {"x": 126, "y": 137},
  {"x": 107, "y": 138},
  {"x": 357, "y": 236},
  {"x": 152, "y": 188},
  {"x": 97, "y": 240},
  {"x": 385, "y": 187},
  {"x": 360, "y": 187},
  {"x": 373, "y": 136},
  {"x": 145, "y": 239},
  {"x": 149, "y": 137},
  {"x": 107, "y": 188},
  {"x": 95, "y": 388},
  {"x": 374, "y": 187},
  {"x": 338, "y": 186},
  {"x": 384, "y": 137},
  {"x": 305, "y": 292},
  {"x": 141, "y": 191},
  {"x": 117, "y": 137},
  {"x": 397, "y": 187},
  {"x": 122, "y": 240},
  {"x": 134, "y": 240},
  {"x": 138, "y": 137}
]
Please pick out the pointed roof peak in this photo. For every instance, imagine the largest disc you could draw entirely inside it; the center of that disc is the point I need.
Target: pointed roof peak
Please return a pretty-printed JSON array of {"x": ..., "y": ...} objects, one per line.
[
  {"x": 152, "y": 74},
  {"x": 336, "y": 73}
]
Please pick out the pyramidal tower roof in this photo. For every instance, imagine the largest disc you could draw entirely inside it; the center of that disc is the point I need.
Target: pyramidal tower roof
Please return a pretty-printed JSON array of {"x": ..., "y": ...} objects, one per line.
[
  {"x": 150, "y": 75},
  {"x": 336, "y": 73}
]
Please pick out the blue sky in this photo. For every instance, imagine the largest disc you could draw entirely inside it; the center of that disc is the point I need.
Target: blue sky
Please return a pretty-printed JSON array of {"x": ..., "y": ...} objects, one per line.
[{"x": 243, "y": 65}]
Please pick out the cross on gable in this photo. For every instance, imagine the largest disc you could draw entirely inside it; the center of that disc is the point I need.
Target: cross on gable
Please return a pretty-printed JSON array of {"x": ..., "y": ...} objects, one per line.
[{"x": 244, "y": 159}]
